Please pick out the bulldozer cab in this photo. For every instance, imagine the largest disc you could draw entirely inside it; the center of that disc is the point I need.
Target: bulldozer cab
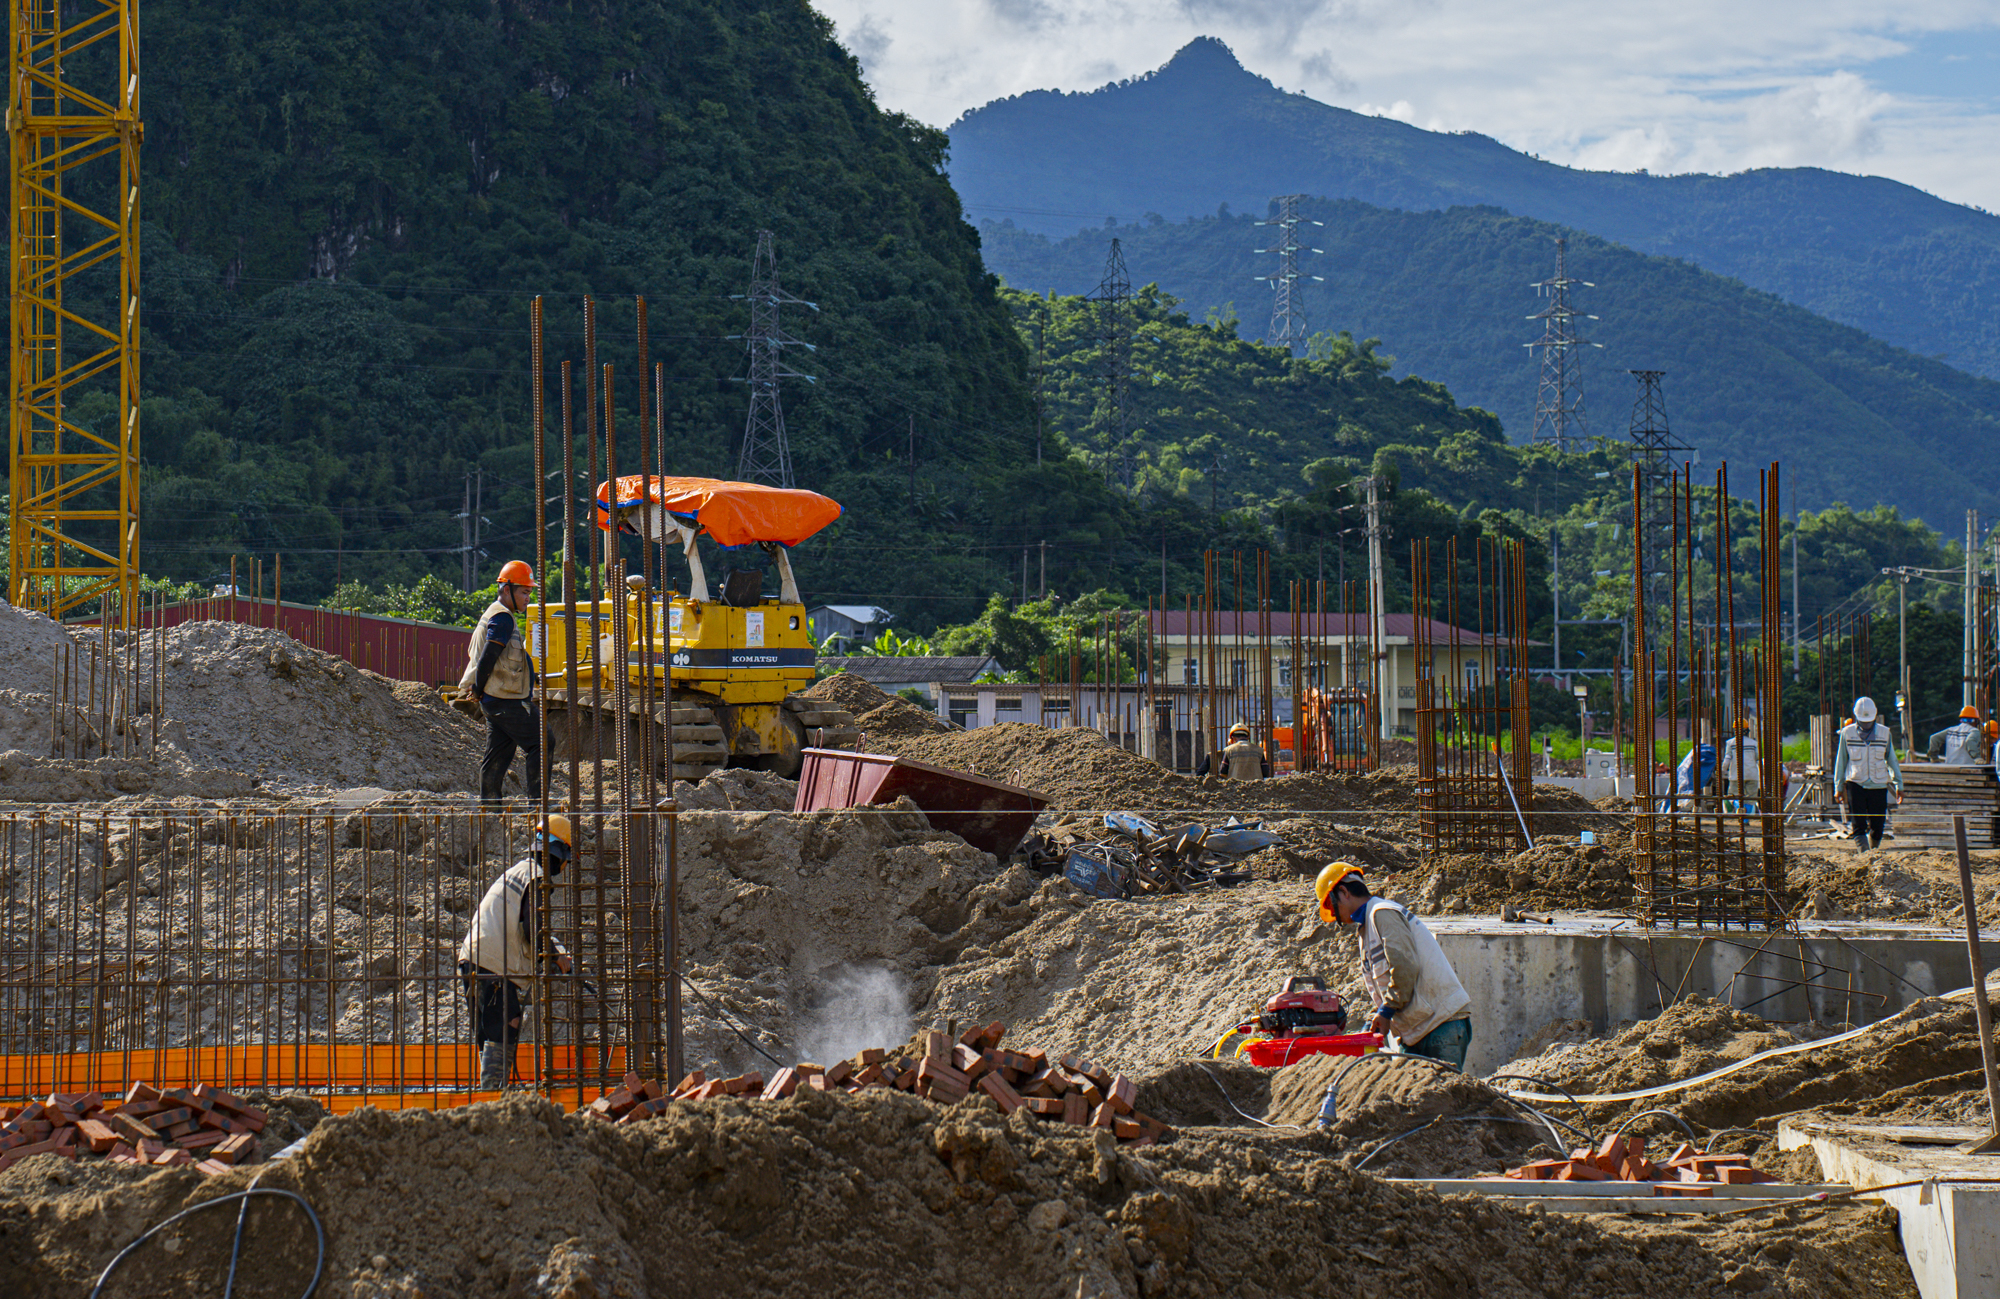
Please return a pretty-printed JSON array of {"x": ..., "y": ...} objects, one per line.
[{"x": 729, "y": 659}]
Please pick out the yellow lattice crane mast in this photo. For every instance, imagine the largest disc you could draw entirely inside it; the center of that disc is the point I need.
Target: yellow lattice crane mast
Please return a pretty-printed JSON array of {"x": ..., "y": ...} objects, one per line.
[{"x": 73, "y": 131}]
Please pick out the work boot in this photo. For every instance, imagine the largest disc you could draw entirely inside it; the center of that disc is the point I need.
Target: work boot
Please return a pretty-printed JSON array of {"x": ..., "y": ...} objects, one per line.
[{"x": 492, "y": 1066}]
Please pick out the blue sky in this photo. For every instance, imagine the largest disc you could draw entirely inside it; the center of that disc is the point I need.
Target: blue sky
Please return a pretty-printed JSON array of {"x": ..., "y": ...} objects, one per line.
[{"x": 1707, "y": 85}]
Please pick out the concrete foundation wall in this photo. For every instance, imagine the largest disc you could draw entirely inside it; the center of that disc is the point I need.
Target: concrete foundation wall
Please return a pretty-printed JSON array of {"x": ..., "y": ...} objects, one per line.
[{"x": 1522, "y": 977}]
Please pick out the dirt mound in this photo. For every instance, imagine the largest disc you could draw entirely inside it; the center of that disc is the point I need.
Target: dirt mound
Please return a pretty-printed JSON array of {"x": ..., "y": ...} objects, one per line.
[
  {"x": 1695, "y": 1035},
  {"x": 845, "y": 690},
  {"x": 736, "y": 789},
  {"x": 1555, "y": 875},
  {"x": 882, "y": 1193},
  {"x": 28, "y": 645},
  {"x": 254, "y": 700}
]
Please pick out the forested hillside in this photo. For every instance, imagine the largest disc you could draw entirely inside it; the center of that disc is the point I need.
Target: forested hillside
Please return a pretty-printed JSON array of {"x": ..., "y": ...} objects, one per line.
[
  {"x": 1749, "y": 378},
  {"x": 1889, "y": 259},
  {"x": 350, "y": 206}
]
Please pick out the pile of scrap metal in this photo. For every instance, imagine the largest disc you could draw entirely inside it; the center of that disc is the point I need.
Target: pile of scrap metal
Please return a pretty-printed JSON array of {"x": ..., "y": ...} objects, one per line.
[{"x": 1138, "y": 857}]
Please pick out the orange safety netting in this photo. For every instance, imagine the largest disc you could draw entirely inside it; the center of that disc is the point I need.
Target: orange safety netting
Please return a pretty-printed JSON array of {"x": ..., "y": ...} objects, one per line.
[
  {"x": 735, "y": 514},
  {"x": 379, "y": 1067}
]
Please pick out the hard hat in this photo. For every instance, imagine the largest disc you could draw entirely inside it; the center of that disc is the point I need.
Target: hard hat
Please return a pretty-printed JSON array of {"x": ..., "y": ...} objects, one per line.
[
  {"x": 1241, "y": 728},
  {"x": 555, "y": 836},
  {"x": 1970, "y": 710},
  {"x": 1329, "y": 879},
  {"x": 515, "y": 572},
  {"x": 1864, "y": 709},
  {"x": 1742, "y": 724},
  {"x": 1993, "y": 730}
]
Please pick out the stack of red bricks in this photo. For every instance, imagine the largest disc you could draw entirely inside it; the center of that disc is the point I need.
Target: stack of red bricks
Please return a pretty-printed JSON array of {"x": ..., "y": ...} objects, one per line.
[
  {"x": 1069, "y": 1089},
  {"x": 1623, "y": 1159},
  {"x": 202, "y": 1126}
]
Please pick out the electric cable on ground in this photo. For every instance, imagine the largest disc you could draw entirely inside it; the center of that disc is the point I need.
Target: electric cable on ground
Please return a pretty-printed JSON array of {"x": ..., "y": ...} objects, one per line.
[
  {"x": 730, "y": 1022},
  {"x": 319, "y": 1231}
]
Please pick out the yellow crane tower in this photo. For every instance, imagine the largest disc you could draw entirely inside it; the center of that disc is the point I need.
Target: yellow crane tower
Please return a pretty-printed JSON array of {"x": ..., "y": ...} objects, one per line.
[{"x": 73, "y": 131}]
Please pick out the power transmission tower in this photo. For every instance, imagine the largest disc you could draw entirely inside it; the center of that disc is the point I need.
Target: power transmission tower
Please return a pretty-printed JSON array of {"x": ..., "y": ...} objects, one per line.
[
  {"x": 1559, "y": 397},
  {"x": 1288, "y": 317},
  {"x": 766, "y": 457},
  {"x": 1655, "y": 452},
  {"x": 1114, "y": 363}
]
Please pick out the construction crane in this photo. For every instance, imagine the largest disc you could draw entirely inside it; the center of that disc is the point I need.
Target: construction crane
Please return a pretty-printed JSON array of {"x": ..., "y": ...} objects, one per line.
[{"x": 73, "y": 129}]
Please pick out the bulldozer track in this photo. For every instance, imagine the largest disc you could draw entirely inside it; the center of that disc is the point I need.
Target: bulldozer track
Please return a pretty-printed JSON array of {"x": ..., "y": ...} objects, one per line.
[{"x": 700, "y": 744}]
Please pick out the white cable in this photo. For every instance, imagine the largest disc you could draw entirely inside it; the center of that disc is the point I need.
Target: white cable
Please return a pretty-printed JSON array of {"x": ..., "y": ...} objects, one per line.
[{"x": 1608, "y": 1098}]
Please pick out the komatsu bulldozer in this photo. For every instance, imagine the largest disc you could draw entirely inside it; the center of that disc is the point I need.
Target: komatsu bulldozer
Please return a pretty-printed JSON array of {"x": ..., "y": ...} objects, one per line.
[{"x": 727, "y": 668}]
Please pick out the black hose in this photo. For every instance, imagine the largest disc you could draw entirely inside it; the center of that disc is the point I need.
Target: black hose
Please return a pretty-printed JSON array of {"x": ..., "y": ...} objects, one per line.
[
  {"x": 1631, "y": 1119},
  {"x": 1226, "y": 1100},
  {"x": 1723, "y": 1132},
  {"x": 731, "y": 1022},
  {"x": 1446, "y": 1118},
  {"x": 319, "y": 1259},
  {"x": 1333, "y": 1092}
]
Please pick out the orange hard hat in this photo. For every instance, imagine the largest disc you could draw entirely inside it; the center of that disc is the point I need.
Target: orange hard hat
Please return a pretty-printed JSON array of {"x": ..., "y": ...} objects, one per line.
[
  {"x": 1993, "y": 730},
  {"x": 1970, "y": 710},
  {"x": 515, "y": 572}
]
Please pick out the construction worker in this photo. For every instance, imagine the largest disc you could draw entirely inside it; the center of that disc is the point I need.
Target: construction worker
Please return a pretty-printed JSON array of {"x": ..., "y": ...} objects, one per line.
[
  {"x": 1417, "y": 995},
  {"x": 1961, "y": 744},
  {"x": 501, "y": 949},
  {"x": 1242, "y": 760},
  {"x": 1864, "y": 772},
  {"x": 1993, "y": 739},
  {"x": 500, "y": 678},
  {"x": 1739, "y": 762},
  {"x": 1690, "y": 781}
]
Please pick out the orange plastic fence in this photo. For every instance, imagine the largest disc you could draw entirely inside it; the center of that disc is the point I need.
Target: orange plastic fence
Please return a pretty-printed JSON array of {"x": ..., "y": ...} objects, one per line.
[{"x": 379, "y": 1071}]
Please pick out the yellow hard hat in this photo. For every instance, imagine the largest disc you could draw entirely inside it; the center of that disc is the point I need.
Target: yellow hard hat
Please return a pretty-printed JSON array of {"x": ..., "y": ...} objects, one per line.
[
  {"x": 1329, "y": 879},
  {"x": 1241, "y": 728},
  {"x": 555, "y": 836}
]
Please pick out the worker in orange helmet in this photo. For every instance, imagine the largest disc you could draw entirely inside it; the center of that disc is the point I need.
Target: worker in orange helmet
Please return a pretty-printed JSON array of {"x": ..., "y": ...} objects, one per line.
[
  {"x": 500, "y": 678},
  {"x": 1417, "y": 994},
  {"x": 1961, "y": 744}
]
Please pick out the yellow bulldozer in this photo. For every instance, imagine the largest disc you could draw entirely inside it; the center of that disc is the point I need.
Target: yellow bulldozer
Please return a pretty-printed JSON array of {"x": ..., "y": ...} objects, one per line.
[{"x": 727, "y": 667}]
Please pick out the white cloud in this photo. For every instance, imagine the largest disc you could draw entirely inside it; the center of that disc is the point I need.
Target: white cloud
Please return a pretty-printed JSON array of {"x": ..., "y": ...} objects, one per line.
[
  {"x": 1720, "y": 86},
  {"x": 1829, "y": 119}
]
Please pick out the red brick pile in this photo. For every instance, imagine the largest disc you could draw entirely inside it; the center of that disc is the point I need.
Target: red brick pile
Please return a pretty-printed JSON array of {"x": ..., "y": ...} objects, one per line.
[
  {"x": 1069, "y": 1089},
  {"x": 204, "y": 1126},
  {"x": 1623, "y": 1159}
]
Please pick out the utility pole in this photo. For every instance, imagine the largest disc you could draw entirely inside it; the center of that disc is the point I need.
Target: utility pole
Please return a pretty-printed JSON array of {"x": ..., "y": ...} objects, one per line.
[
  {"x": 1041, "y": 373},
  {"x": 1385, "y": 707},
  {"x": 1045, "y": 571},
  {"x": 766, "y": 457},
  {"x": 1905, "y": 704},
  {"x": 1555, "y": 598},
  {"x": 913, "y": 459},
  {"x": 1214, "y": 477},
  {"x": 465, "y": 539},
  {"x": 1795, "y": 580},
  {"x": 478, "y": 504},
  {"x": 1288, "y": 318},
  {"x": 1969, "y": 693},
  {"x": 1114, "y": 366},
  {"x": 1559, "y": 414}
]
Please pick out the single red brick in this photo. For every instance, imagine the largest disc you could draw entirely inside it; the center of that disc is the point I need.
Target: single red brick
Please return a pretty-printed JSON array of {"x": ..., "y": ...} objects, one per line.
[
  {"x": 200, "y": 1140},
  {"x": 136, "y": 1129},
  {"x": 994, "y": 1032},
  {"x": 783, "y": 1083},
  {"x": 1048, "y": 1107},
  {"x": 211, "y": 1167},
  {"x": 1104, "y": 1117},
  {"x": 906, "y": 1081},
  {"x": 1075, "y": 1110},
  {"x": 689, "y": 1083},
  {"x": 839, "y": 1071},
  {"x": 869, "y": 1076},
  {"x": 807, "y": 1068},
  {"x": 238, "y": 1148},
  {"x": 1127, "y": 1130},
  {"x": 1735, "y": 1176},
  {"x": 100, "y": 1136},
  {"x": 1003, "y": 1095},
  {"x": 139, "y": 1091},
  {"x": 1123, "y": 1095},
  {"x": 937, "y": 1044},
  {"x": 1576, "y": 1170},
  {"x": 872, "y": 1055}
]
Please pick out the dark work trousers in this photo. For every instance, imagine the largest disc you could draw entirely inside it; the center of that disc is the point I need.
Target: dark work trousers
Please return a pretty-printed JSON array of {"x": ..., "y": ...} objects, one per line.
[
  {"x": 495, "y": 1004},
  {"x": 510, "y": 724},
  {"x": 1866, "y": 808}
]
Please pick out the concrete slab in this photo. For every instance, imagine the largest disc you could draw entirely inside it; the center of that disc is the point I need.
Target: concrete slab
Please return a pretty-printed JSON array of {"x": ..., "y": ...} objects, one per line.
[
  {"x": 1619, "y": 1197},
  {"x": 1950, "y": 1224},
  {"x": 1605, "y": 970}
]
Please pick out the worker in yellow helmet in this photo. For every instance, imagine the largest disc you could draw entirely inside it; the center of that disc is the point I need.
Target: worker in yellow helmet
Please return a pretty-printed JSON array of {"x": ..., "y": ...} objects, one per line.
[
  {"x": 1243, "y": 759},
  {"x": 500, "y": 677},
  {"x": 504, "y": 945},
  {"x": 1418, "y": 998}
]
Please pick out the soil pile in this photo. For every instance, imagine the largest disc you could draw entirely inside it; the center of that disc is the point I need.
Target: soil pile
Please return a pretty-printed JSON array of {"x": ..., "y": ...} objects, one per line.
[
  {"x": 28, "y": 645},
  {"x": 254, "y": 700},
  {"x": 1693, "y": 1036},
  {"x": 1554, "y": 875},
  {"x": 881, "y": 1193},
  {"x": 1146, "y": 984},
  {"x": 1839, "y": 883}
]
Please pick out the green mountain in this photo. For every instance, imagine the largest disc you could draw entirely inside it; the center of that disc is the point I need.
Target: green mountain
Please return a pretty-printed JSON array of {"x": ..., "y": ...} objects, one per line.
[
  {"x": 1884, "y": 257},
  {"x": 1750, "y": 378},
  {"x": 349, "y": 207}
]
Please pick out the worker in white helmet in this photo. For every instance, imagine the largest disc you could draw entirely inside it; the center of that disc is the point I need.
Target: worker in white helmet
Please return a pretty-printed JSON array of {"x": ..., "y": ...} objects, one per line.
[{"x": 1864, "y": 772}]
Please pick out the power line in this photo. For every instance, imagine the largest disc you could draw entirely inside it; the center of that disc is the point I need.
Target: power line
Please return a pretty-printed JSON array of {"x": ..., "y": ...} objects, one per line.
[
  {"x": 1559, "y": 416},
  {"x": 1288, "y": 317}
]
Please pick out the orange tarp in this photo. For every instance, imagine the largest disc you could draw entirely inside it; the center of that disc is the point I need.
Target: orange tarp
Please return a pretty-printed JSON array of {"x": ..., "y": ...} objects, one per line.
[
  {"x": 238, "y": 1068},
  {"x": 735, "y": 514}
]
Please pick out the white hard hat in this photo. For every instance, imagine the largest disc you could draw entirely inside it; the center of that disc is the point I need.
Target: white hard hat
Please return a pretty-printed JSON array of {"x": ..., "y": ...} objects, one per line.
[{"x": 1864, "y": 709}]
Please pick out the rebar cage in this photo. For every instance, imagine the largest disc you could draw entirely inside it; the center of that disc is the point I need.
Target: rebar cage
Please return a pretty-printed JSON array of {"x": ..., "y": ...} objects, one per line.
[
  {"x": 1474, "y": 788},
  {"x": 1708, "y": 830},
  {"x": 312, "y": 951}
]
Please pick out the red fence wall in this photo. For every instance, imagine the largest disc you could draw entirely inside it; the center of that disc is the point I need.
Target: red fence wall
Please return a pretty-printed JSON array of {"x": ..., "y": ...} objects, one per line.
[{"x": 395, "y": 647}]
